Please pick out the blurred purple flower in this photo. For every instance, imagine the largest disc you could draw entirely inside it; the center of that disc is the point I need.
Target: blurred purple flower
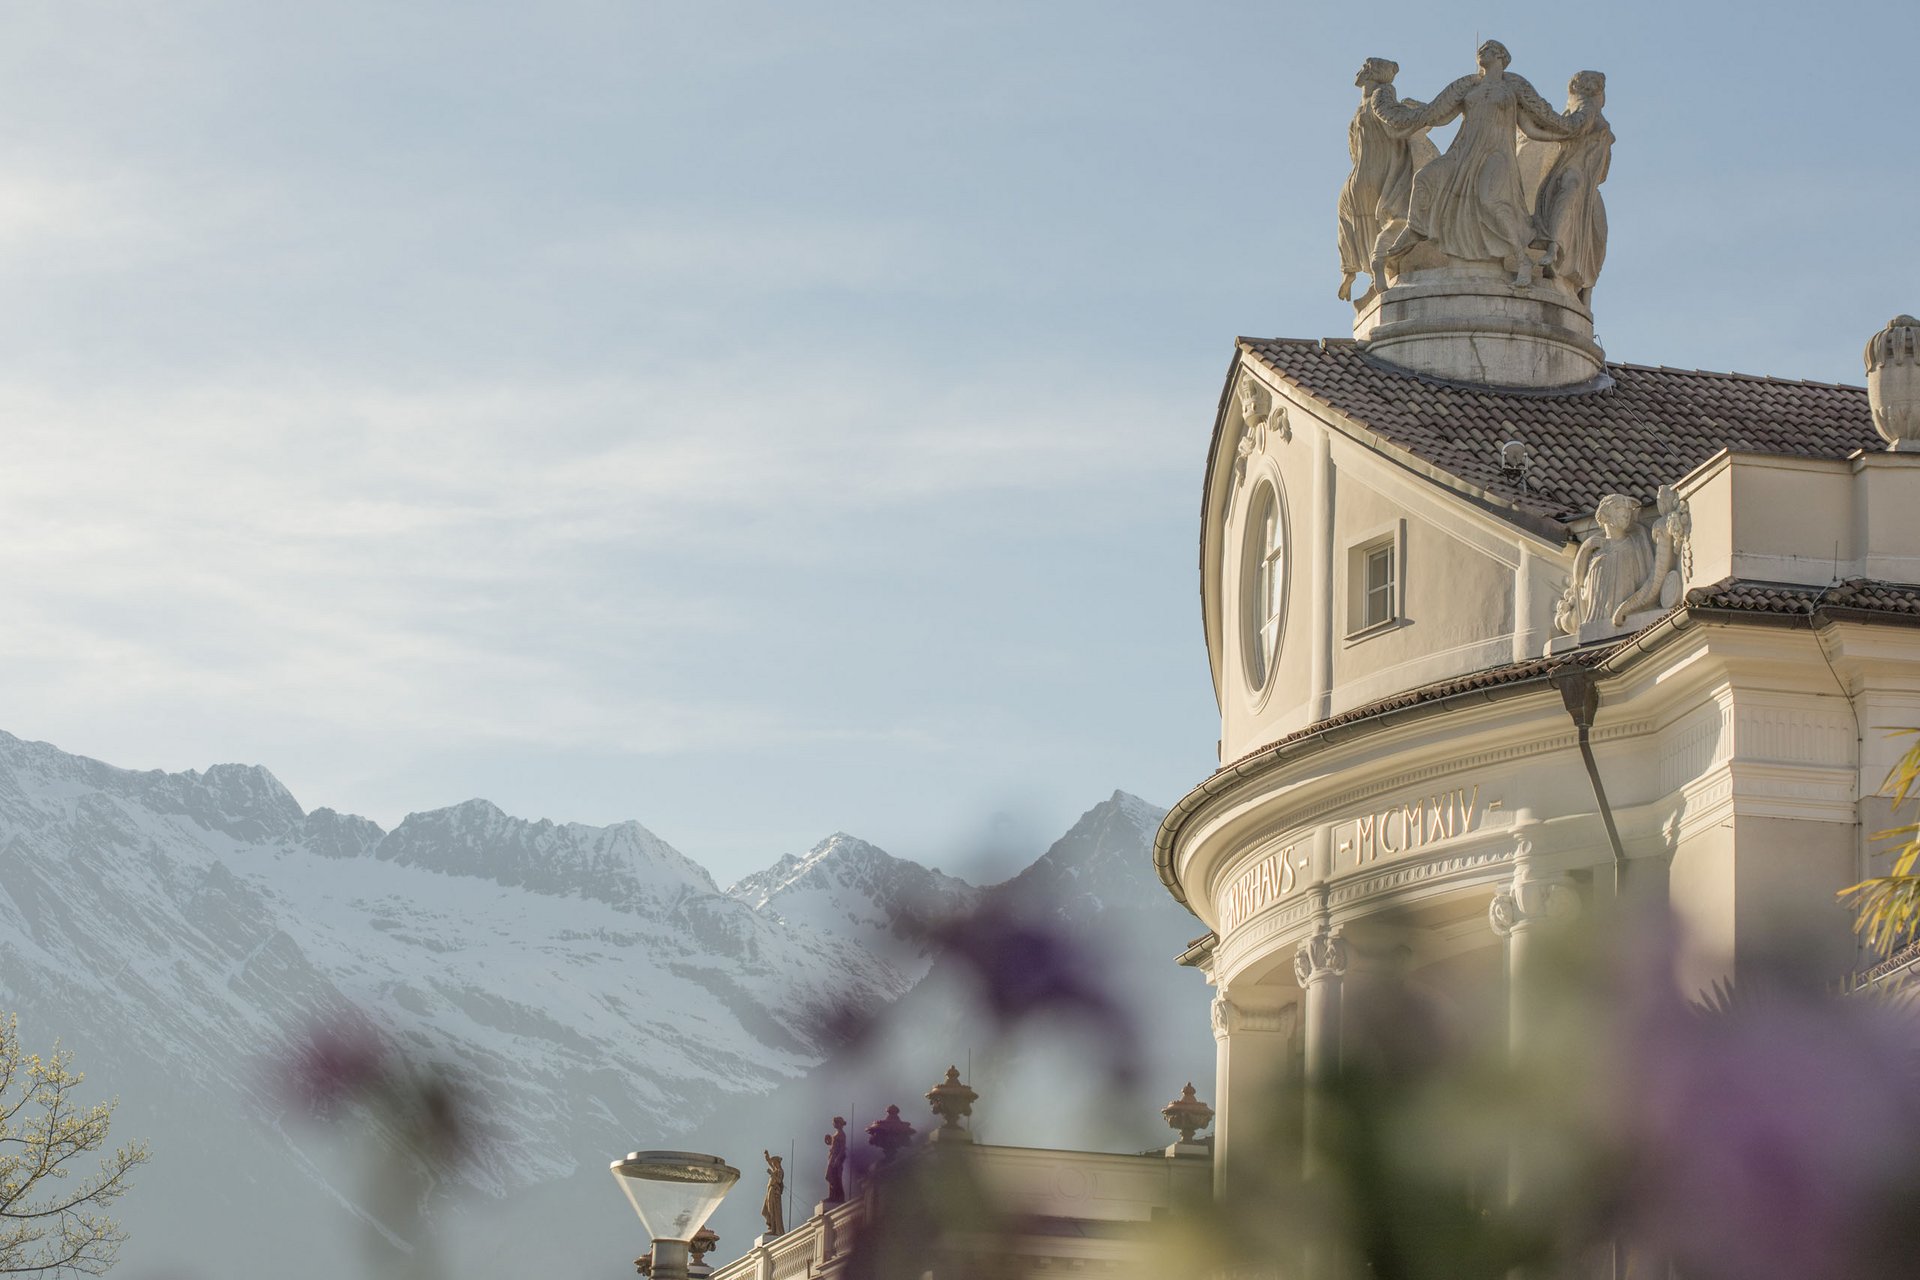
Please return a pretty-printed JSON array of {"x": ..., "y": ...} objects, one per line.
[
  {"x": 1773, "y": 1132},
  {"x": 346, "y": 1061},
  {"x": 338, "y": 1062},
  {"x": 1026, "y": 965}
]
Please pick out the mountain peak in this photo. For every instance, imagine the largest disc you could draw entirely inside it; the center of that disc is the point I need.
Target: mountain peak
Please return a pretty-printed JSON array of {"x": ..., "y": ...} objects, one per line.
[
  {"x": 624, "y": 865},
  {"x": 846, "y": 886},
  {"x": 1099, "y": 858}
]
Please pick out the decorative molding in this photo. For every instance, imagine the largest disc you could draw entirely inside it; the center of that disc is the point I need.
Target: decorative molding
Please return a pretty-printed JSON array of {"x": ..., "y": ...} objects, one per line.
[
  {"x": 1251, "y": 938},
  {"x": 1690, "y": 751},
  {"x": 1792, "y": 735},
  {"x": 1313, "y": 812},
  {"x": 1359, "y": 888}
]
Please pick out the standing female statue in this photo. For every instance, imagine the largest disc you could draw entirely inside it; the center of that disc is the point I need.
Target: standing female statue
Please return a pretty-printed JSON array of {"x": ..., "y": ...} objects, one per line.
[
  {"x": 1373, "y": 201},
  {"x": 837, "y": 1161},
  {"x": 1470, "y": 202},
  {"x": 772, "y": 1208},
  {"x": 1570, "y": 221}
]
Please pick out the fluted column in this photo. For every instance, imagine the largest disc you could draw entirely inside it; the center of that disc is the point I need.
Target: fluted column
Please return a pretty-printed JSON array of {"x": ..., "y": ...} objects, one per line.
[{"x": 1252, "y": 1035}]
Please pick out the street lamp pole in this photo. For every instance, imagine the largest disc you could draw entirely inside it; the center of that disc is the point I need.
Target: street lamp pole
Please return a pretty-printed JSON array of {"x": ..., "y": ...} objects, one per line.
[{"x": 674, "y": 1193}]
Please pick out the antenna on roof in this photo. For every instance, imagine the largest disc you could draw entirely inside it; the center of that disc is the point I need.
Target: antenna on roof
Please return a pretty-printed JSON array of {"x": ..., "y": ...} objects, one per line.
[{"x": 1516, "y": 460}]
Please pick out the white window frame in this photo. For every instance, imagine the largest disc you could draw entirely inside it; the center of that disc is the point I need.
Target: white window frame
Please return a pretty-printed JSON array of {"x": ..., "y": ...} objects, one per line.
[
  {"x": 1266, "y": 565},
  {"x": 1390, "y": 539}
]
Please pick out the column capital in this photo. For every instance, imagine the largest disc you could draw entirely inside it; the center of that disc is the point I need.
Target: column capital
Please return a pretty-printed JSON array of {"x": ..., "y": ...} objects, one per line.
[
  {"x": 1320, "y": 957},
  {"x": 1231, "y": 1018},
  {"x": 1528, "y": 900}
]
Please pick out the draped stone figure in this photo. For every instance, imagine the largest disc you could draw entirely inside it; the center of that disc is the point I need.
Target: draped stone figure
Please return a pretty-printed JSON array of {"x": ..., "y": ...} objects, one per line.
[
  {"x": 1372, "y": 209},
  {"x": 1569, "y": 218},
  {"x": 1671, "y": 531},
  {"x": 772, "y": 1208},
  {"x": 1470, "y": 202},
  {"x": 837, "y": 1161},
  {"x": 1610, "y": 568}
]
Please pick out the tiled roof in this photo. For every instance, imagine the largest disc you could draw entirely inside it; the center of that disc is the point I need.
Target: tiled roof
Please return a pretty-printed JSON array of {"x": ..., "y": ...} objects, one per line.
[
  {"x": 1856, "y": 595},
  {"x": 1650, "y": 427}
]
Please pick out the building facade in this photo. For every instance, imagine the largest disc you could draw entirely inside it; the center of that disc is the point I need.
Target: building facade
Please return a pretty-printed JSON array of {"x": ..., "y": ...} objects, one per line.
[{"x": 1500, "y": 631}]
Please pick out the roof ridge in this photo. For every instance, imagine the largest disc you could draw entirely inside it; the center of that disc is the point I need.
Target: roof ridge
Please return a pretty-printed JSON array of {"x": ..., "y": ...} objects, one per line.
[{"x": 1732, "y": 374}]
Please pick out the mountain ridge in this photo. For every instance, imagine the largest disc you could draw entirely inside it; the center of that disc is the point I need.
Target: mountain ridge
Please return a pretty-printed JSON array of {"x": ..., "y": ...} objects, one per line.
[{"x": 588, "y": 987}]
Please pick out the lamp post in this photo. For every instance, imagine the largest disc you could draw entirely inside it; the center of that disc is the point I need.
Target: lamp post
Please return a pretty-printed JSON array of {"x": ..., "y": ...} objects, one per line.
[{"x": 674, "y": 1192}]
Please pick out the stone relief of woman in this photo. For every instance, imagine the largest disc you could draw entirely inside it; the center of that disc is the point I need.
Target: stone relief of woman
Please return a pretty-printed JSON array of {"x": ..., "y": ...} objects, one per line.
[
  {"x": 1570, "y": 220},
  {"x": 1610, "y": 568},
  {"x": 1470, "y": 202}
]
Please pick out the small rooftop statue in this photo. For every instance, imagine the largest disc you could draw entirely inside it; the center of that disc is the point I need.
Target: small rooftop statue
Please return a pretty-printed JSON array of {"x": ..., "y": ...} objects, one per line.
[
  {"x": 772, "y": 1211},
  {"x": 951, "y": 1100},
  {"x": 837, "y": 1161}
]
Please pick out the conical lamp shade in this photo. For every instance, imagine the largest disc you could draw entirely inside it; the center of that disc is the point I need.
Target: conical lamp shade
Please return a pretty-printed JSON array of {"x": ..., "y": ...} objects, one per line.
[{"x": 674, "y": 1192}]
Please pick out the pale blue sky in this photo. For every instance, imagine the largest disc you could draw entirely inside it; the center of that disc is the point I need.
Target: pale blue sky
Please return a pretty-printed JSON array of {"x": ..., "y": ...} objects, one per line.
[{"x": 762, "y": 419}]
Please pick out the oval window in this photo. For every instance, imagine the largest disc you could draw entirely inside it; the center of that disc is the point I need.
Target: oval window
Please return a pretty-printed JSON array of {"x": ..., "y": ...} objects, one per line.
[{"x": 1263, "y": 583}]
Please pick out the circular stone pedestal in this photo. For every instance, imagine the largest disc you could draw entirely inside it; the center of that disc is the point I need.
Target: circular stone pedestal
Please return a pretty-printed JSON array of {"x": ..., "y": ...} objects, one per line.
[{"x": 1482, "y": 329}]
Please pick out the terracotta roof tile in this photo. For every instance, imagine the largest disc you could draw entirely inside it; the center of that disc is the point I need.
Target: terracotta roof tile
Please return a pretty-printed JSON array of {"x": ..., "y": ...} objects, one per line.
[
  {"x": 1856, "y": 595},
  {"x": 1649, "y": 427}
]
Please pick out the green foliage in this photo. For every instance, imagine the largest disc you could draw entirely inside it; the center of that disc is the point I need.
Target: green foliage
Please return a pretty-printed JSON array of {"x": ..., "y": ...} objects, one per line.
[
  {"x": 1887, "y": 908},
  {"x": 52, "y": 1219}
]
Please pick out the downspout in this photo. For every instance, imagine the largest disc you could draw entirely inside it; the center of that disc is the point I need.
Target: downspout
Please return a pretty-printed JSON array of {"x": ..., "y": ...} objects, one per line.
[{"x": 1581, "y": 694}]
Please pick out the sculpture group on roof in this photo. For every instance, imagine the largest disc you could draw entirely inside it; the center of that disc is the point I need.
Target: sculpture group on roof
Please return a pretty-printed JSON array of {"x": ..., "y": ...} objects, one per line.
[{"x": 1519, "y": 185}]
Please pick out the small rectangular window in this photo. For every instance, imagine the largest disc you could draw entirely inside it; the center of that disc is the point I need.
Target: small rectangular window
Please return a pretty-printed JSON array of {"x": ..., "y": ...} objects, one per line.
[{"x": 1378, "y": 605}]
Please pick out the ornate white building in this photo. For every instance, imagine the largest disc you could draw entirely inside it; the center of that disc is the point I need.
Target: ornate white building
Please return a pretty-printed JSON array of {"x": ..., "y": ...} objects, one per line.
[
  {"x": 1501, "y": 632},
  {"x": 1497, "y": 628}
]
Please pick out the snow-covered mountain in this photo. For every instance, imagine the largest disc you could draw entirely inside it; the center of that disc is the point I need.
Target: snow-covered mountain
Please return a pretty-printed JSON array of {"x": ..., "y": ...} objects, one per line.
[
  {"x": 587, "y": 987},
  {"x": 847, "y": 888}
]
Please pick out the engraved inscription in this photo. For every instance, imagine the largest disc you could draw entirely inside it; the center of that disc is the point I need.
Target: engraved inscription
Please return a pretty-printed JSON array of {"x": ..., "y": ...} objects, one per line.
[
  {"x": 1265, "y": 882},
  {"x": 1414, "y": 824}
]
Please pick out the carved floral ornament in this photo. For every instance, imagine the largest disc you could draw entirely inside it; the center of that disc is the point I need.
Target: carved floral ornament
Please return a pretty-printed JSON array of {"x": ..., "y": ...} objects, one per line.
[
  {"x": 1257, "y": 423},
  {"x": 1322, "y": 956},
  {"x": 1626, "y": 574}
]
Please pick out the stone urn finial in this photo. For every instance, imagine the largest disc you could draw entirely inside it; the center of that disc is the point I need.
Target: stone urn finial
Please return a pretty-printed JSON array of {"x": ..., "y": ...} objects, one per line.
[
  {"x": 1186, "y": 1115},
  {"x": 1893, "y": 383},
  {"x": 950, "y": 1100},
  {"x": 891, "y": 1134},
  {"x": 704, "y": 1241}
]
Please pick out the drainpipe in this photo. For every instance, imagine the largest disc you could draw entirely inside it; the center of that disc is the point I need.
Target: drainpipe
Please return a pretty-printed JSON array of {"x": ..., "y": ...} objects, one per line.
[{"x": 1581, "y": 694}]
